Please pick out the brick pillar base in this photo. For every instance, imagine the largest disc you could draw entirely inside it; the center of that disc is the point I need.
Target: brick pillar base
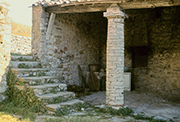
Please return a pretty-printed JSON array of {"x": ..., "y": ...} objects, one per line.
[{"x": 115, "y": 56}]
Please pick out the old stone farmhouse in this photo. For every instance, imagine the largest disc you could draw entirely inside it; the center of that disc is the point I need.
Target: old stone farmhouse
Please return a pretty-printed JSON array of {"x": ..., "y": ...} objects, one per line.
[{"x": 138, "y": 36}]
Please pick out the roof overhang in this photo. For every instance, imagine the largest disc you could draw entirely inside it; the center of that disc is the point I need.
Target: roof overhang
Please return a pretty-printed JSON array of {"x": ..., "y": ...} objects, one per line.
[{"x": 100, "y": 6}]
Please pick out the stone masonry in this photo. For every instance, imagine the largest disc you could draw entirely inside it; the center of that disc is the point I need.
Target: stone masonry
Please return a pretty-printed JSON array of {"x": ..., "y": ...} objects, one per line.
[
  {"x": 5, "y": 46},
  {"x": 158, "y": 31},
  {"x": 20, "y": 44},
  {"x": 39, "y": 28},
  {"x": 75, "y": 40},
  {"x": 115, "y": 56}
]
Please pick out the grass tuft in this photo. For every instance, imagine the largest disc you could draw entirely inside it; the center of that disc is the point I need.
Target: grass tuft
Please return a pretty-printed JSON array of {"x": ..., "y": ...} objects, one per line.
[
  {"x": 77, "y": 119},
  {"x": 21, "y": 100},
  {"x": 8, "y": 118},
  {"x": 65, "y": 110}
]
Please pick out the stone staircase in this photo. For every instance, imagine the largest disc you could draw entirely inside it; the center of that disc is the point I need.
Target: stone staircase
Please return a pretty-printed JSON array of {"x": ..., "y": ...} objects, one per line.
[{"x": 46, "y": 87}]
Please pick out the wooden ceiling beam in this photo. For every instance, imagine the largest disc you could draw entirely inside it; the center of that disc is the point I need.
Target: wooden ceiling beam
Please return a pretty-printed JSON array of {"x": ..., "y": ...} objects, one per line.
[
  {"x": 78, "y": 8},
  {"x": 102, "y": 6}
]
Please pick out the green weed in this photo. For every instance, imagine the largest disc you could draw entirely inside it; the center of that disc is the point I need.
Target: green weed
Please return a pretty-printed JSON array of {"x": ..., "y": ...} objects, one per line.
[
  {"x": 77, "y": 119},
  {"x": 8, "y": 118},
  {"x": 10, "y": 108},
  {"x": 23, "y": 65},
  {"x": 38, "y": 66},
  {"x": 42, "y": 73},
  {"x": 142, "y": 117},
  {"x": 20, "y": 100},
  {"x": 65, "y": 110},
  {"x": 121, "y": 111},
  {"x": 128, "y": 112},
  {"x": 58, "y": 99},
  {"x": 19, "y": 54}
]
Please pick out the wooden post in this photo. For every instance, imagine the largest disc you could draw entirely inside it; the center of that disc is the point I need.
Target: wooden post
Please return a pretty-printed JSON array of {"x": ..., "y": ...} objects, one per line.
[{"x": 50, "y": 25}]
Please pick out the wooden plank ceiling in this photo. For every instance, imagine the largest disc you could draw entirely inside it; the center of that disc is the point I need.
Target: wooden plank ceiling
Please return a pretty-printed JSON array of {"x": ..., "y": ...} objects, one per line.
[{"x": 81, "y": 6}]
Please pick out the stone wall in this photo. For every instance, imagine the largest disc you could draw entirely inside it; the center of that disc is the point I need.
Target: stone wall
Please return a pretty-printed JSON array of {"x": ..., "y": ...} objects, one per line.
[
  {"x": 136, "y": 36},
  {"x": 165, "y": 57},
  {"x": 156, "y": 31},
  {"x": 36, "y": 33},
  {"x": 5, "y": 45},
  {"x": 20, "y": 44},
  {"x": 39, "y": 28},
  {"x": 76, "y": 40}
]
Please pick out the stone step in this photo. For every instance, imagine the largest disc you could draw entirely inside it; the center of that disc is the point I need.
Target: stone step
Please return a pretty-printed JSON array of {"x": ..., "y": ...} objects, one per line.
[
  {"x": 32, "y": 72},
  {"x": 59, "y": 97},
  {"x": 53, "y": 107},
  {"x": 22, "y": 58},
  {"x": 46, "y": 87},
  {"x": 40, "y": 80},
  {"x": 25, "y": 64},
  {"x": 43, "y": 118},
  {"x": 49, "y": 88}
]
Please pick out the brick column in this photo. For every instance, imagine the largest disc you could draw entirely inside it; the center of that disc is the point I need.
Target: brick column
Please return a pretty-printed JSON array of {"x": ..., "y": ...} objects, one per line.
[{"x": 115, "y": 56}]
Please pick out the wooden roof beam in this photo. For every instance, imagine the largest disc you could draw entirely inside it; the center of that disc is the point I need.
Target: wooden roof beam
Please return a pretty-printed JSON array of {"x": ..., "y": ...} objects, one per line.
[
  {"x": 77, "y": 9},
  {"x": 50, "y": 25},
  {"x": 102, "y": 6}
]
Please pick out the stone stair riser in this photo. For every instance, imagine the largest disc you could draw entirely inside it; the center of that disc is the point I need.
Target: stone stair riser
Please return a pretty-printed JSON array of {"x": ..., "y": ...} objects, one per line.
[
  {"x": 41, "y": 81},
  {"x": 59, "y": 99},
  {"x": 31, "y": 73},
  {"x": 69, "y": 103},
  {"x": 23, "y": 58},
  {"x": 16, "y": 64},
  {"x": 49, "y": 90}
]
